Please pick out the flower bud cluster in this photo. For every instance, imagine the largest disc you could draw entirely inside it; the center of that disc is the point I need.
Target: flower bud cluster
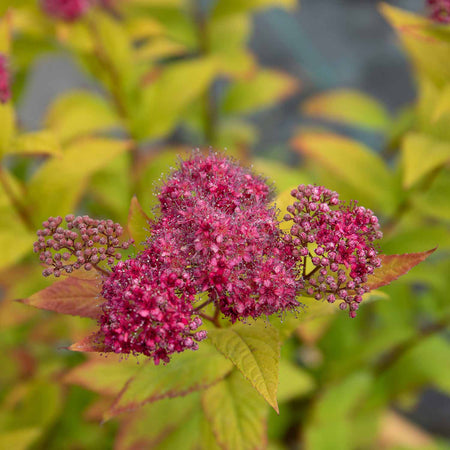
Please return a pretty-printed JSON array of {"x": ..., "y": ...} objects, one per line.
[
  {"x": 439, "y": 10},
  {"x": 336, "y": 241},
  {"x": 148, "y": 311},
  {"x": 66, "y": 10},
  {"x": 5, "y": 84},
  {"x": 228, "y": 237},
  {"x": 83, "y": 242}
]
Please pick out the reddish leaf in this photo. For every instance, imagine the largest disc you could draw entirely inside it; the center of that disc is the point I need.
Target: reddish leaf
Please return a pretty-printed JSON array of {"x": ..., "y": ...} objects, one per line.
[
  {"x": 74, "y": 295},
  {"x": 394, "y": 266},
  {"x": 91, "y": 343}
]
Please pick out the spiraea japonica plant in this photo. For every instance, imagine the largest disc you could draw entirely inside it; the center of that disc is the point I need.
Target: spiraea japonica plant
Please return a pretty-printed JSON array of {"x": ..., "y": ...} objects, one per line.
[
  {"x": 222, "y": 272},
  {"x": 242, "y": 297}
]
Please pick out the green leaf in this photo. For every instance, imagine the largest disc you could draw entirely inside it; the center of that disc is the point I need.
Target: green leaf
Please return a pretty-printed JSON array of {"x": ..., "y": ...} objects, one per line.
[
  {"x": 294, "y": 381},
  {"x": 77, "y": 295},
  {"x": 187, "y": 372},
  {"x": 237, "y": 414},
  {"x": 265, "y": 88},
  {"x": 164, "y": 101},
  {"x": 36, "y": 143},
  {"x": 138, "y": 224},
  {"x": 172, "y": 420},
  {"x": 422, "y": 154},
  {"x": 79, "y": 113},
  {"x": 229, "y": 7},
  {"x": 394, "y": 266},
  {"x": 255, "y": 350},
  {"x": 58, "y": 184},
  {"x": 352, "y": 162},
  {"x": 105, "y": 376},
  {"x": 428, "y": 51},
  {"x": 20, "y": 439},
  {"x": 15, "y": 238},
  {"x": 331, "y": 423},
  {"x": 8, "y": 128},
  {"x": 348, "y": 107}
]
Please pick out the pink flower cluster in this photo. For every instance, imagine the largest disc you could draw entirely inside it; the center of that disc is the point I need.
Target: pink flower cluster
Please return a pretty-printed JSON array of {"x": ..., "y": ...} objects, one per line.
[
  {"x": 66, "y": 10},
  {"x": 217, "y": 237},
  {"x": 84, "y": 242},
  {"x": 336, "y": 241},
  {"x": 148, "y": 311},
  {"x": 439, "y": 10},
  {"x": 5, "y": 86}
]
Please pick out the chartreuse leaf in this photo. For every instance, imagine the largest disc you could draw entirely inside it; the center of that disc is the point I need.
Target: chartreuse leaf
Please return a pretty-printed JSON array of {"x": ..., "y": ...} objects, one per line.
[
  {"x": 428, "y": 51},
  {"x": 331, "y": 423},
  {"x": 35, "y": 143},
  {"x": 434, "y": 202},
  {"x": 152, "y": 171},
  {"x": 167, "y": 417},
  {"x": 443, "y": 104},
  {"x": 421, "y": 154},
  {"x": 16, "y": 239},
  {"x": 294, "y": 381},
  {"x": 394, "y": 266},
  {"x": 229, "y": 7},
  {"x": 228, "y": 38},
  {"x": 350, "y": 161},
  {"x": 74, "y": 295},
  {"x": 138, "y": 224},
  {"x": 236, "y": 412},
  {"x": 255, "y": 350},
  {"x": 5, "y": 34},
  {"x": 20, "y": 439},
  {"x": 187, "y": 372},
  {"x": 58, "y": 184},
  {"x": 265, "y": 88},
  {"x": 349, "y": 107},
  {"x": 8, "y": 128},
  {"x": 164, "y": 100},
  {"x": 105, "y": 376},
  {"x": 79, "y": 113}
]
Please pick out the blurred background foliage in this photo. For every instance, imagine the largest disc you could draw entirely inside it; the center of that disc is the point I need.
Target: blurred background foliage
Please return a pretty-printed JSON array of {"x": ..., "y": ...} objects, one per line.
[{"x": 159, "y": 78}]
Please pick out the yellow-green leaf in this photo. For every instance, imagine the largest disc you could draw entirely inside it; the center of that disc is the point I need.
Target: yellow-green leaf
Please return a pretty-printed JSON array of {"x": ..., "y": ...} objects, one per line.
[
  {"x": 80, "y": 113},
  {"x": 237, "y": 414},
  {"x": 228, "y": 7},
  {"x": 105, "y": 376},
  {"x": 36, "y": 143},
  {"x": 8, "y": 126},
  {"x": 353, "y": 163},
  {"x": 421, "y": 154},
  {"x": 349, "y": 107},
  {"x": 5, "y": 33},
  {"x": 255, "y": 350},
  {"x": 428, "y": 51},
  {"x": 187, "y": 372},
  {"x": 264, "y": 89},
  {"x": 295, "y": 382},
  {"x": 138, "y": 223},
  {"x": 20, "y": 439},
  {"x": 58, "y": 184},
  {"x": 165, "y": 99}
]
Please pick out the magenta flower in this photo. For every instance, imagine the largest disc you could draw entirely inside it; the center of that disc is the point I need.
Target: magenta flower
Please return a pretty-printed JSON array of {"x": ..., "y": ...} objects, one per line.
[
  {"x": 148, "y": 311},
  {"x": 439, "y": 10},
  {"x": 66, "y": 10},
  {"x": 228, "y": 237},
  {"x": 337, "y": 240},
  {"x": 5, "y": 84}
]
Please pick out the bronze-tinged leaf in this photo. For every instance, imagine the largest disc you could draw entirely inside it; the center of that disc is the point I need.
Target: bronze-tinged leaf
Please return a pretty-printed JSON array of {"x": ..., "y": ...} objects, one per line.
[
  {"x": 74, "y": 295},
  {"x": 394, "y": 266},
  {"x": 92, "y": 343},
  {"x": 138, "y": 224}
]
